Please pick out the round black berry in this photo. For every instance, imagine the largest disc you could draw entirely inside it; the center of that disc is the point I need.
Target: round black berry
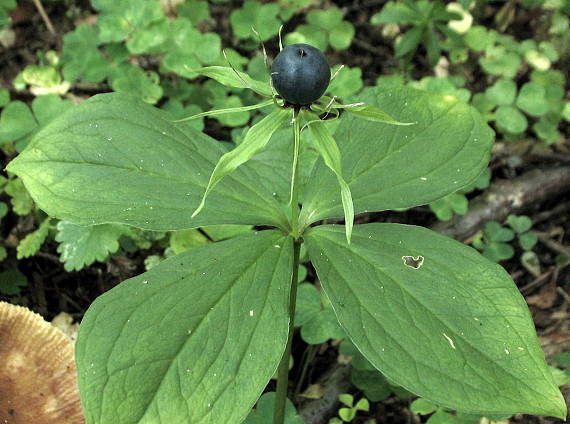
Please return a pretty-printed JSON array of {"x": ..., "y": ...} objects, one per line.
[{"x": 300, "y": 74}]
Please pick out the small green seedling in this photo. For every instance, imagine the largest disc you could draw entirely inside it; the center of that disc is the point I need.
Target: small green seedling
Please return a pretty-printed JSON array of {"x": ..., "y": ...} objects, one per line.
[
  {"x": 494, "y": 240},
  {"x": 324, "y": 28},
  {"x": 426, "y": 18},
  {"x": 198, "y": 336},
  {"x": 439, "y": 415},
  {"x": 348, "y": 413},
  {"x": 11, "y": 282}
]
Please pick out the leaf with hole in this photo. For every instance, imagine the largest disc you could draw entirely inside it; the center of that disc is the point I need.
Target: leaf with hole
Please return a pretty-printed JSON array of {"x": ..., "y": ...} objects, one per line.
[{"x": 450, "y": 310}]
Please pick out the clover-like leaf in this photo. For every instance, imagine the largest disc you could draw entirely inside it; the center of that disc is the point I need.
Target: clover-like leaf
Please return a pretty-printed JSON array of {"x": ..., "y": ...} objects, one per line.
[{"x": 262, "y": 17}]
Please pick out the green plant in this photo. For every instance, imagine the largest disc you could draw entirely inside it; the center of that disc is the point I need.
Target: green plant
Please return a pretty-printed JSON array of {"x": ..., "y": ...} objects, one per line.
[
  {"x": 540, "y": 98},
  {"x": 198, "y": 336},
  {"x": 439, "y": 415},
  {"x": 315, "y": 315},
  {"x": 18, "y": 122},
  {"x": 12, "y": 281},
  {"x": 263, "y": 17},
  {"x": 324, "y": 28},
  {"x": 5, "y": 7},
  {"x": 375, "y": 386},
  {"x": 494, "y": 240},
  {"x": 426, "y": 18},
  {"x": 348, "y": 413},
  {"x": 457, "y": 203}
]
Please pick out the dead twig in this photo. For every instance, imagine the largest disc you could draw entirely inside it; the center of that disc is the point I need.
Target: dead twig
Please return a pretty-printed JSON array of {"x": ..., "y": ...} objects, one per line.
[
  {"x": 563, "y": 293},
  {"x": 506, "y": 197},
  {"x": 335, "y": 382},
  {"x": 553, "y": 245},
  {"x": 45, "y": 17}
]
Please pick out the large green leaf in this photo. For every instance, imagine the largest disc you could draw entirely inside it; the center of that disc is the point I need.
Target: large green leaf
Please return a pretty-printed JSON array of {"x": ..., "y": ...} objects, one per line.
[
  {"x": 194, "y": 340},
  {"x": 389, "y": 166},
  {"x": 115, "y": 159},
  {"x": 436, "y": 317}
]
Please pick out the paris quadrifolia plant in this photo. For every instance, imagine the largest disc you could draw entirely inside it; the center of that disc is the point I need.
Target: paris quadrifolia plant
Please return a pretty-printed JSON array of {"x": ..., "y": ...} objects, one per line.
[{"x": 198, "y": 337}]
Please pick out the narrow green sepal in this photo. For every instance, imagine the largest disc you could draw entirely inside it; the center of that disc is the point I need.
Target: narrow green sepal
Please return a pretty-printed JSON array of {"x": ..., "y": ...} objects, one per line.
[
  {"x": 328, "y": 149},
  {"x": 255, "y": 140},
  {"x": 234, "y": 78},
  {"x": 228, "y": 110}
]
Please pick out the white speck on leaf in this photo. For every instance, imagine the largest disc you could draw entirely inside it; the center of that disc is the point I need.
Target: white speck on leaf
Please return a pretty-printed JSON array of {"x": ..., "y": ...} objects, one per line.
[
  {"x": 507, "y": 351},
  {"x": 251, "y": 313},
  {"x": 423, "y": 178},
  {"x": 145, "y": 282},
  {"x": 449, "y": 340}
]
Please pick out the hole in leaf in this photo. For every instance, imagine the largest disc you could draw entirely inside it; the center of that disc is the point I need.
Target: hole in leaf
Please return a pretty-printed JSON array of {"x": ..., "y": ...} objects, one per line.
[{"x": 413, "y": 261}]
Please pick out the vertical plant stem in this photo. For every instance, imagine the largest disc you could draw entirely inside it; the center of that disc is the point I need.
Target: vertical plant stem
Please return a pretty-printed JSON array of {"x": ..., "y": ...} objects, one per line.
[
  {"x": 294, "y": 200},
  {"x": 283, "y": 370}
]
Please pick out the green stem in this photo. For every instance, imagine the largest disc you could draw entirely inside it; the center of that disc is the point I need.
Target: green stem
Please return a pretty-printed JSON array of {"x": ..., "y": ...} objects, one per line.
[
  {"x": 283, "y": 370},
  {"x": 294, "y": 200}
]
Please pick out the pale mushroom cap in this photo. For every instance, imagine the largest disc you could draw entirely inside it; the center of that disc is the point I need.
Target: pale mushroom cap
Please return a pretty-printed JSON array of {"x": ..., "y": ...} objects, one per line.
[{"x": 38, "y": 382}]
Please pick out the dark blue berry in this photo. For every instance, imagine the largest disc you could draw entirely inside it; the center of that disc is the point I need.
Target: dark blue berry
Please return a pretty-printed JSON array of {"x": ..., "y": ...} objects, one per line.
[{"x": 300, "y": 74}]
